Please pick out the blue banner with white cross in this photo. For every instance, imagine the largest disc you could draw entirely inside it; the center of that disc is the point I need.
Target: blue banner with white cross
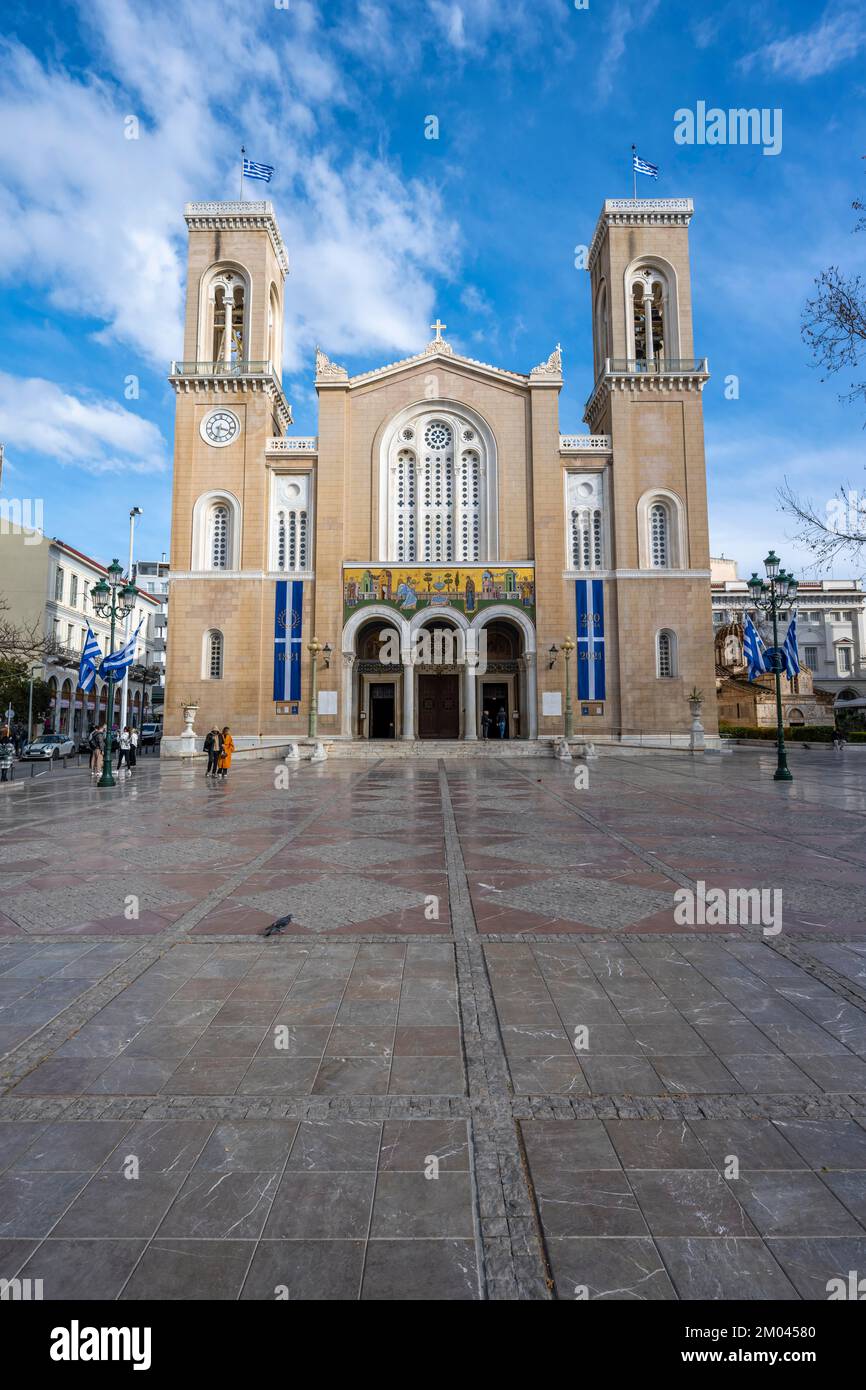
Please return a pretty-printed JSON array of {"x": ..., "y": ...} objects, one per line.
[
  {"x": 288, "y": 626},
  {"x": 590, "y": 638}
]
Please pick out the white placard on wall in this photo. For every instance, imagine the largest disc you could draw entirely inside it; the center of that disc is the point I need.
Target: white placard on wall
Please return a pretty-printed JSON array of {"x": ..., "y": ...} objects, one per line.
[
  {"x": 551, "y": 702},
  {"x": 327, "y": 702}
]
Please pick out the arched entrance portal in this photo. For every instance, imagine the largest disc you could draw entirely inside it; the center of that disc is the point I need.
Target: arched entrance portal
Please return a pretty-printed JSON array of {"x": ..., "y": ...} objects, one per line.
[
  {"x": 432, "y": 677},
  {"x": 377, "y": 681}
]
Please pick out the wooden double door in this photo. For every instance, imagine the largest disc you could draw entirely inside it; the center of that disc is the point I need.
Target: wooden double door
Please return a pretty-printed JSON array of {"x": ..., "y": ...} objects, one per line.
[{"x": 438, "y": 706}]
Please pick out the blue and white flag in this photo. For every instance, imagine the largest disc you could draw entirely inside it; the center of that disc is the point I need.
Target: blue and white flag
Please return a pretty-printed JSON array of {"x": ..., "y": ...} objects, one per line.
[
  {"x": 789, "y": 649},
  {"x": 91, "y": 653},
  {"x": 643, "y": 166},
  {"x": 252, "y": 170},
  {"x": 754, "y": 650},
  {"x": 117, "y": 662}
]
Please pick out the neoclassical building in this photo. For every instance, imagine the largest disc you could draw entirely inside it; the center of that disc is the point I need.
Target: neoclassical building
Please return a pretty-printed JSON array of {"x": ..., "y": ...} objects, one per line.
[{"x": 440, "y": 537}]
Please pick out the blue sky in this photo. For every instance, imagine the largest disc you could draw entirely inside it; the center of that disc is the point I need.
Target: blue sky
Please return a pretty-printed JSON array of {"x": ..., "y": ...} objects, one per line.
[{"x": 538, "y": 104}]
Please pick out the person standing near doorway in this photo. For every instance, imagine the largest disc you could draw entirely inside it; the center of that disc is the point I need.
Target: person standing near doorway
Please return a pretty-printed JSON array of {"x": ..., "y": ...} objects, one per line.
[
  {"x": 501, "y": 721},
  {"x": 486, "y": 722},
  {"x": 228, "y": 747},
  {"x": 213, "y": 746}
]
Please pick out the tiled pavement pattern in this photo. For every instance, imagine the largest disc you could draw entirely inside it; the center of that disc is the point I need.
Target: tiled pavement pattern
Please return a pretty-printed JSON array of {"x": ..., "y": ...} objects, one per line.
[{"x": 482, "y": 1061}]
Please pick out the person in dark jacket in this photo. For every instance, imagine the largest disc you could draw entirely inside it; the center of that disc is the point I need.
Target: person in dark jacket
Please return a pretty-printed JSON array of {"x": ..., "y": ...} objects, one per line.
[
  {"x": 486, "y": 722},
  {"x": 501, "y": 721},
  {"x": 213, "y": 746},
  {"x": 7, "y": 754}
]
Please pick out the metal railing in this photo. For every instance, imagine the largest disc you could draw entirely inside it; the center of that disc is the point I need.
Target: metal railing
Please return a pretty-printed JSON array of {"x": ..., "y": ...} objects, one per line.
[
  {"x": 659, "y": 366},
  {"x": 242, "y": 368}
]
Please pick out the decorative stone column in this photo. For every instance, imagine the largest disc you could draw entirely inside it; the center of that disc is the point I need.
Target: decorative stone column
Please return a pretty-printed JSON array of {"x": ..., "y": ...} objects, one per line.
[
  {"x": 408, "y": 730},
  {"x": 348, "y": 690},
  {"x": 470, "y": 687},
  {"x": 531, "y": 688}
]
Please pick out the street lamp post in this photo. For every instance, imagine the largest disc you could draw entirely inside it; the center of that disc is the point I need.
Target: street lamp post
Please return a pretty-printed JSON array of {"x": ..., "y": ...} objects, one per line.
[
  {"x": 772, "y": 596},
  {"x": 33, "y": 670},
  {"x": 314, "y": 648},
  {"x": 567, "y": 648},
  {"x": 114, "y": 601},
  {"x": 124, "y": 695}
]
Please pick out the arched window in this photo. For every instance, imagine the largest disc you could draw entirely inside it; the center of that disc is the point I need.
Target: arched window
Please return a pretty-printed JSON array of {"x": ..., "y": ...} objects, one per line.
[
  {"x": 602, "y": 328},
  {"x": 652, "y": 328},
  {"x": 666, "y": 654},
  {"x": 219, "y": 536},
  {"x": 659, "y": 522},
  {"x": 435, "y": 503},
  {"x": 290, "y": 530},
  {"x": 275, "y": 330},
  {"x": 216, "y": 532},
  {"x": 213, "y": 656},
  {"x": 224, "y": 308}
]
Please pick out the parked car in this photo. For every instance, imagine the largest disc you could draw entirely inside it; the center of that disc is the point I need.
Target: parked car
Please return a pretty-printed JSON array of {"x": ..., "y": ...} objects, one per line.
[
  {"x": 150, "y": 734},
  {"x": 49, "y": 746}
]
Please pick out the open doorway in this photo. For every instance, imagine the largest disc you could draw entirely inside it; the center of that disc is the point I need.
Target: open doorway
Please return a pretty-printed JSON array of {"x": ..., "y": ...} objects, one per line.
[
  {"x": 382, "y": 700},
  {"x": 494, "y": 699}
]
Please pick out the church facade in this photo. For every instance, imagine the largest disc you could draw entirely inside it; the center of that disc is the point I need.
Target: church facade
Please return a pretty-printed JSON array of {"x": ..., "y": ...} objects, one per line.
[{"x": 422, "y": 566}]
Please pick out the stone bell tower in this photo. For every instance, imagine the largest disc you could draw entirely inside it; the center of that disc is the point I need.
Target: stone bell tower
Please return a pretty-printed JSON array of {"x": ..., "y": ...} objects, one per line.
[
  {"x": 647, "y": 398},
  {"x": 230, "y": 407}
]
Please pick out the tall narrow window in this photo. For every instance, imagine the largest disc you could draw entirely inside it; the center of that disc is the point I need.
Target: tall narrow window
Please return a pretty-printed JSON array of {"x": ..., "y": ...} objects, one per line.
[
  {"x": 219, "y": 553},
  {"x": 438, "y": 493},
  {"x": 659, "y": 537},
  {"x": 470, "y": 495},
  {"x": 58, "y": 585},
  {"x": 404, "y": 501},
  {"x": 214, "y": 656},
  {"x": 666, "y": 654}
]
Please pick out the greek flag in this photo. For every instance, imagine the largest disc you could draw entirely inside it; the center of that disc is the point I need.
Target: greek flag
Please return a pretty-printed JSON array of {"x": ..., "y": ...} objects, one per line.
[
  {"x": 643, "y": 166},
  {"x": 754, "y": 650},
  {"x": 252, "y": 170},
  {"x": 90, "y": 655},
  {"x": 789, "y": 648},
  {"x": 117, "y": 662}
]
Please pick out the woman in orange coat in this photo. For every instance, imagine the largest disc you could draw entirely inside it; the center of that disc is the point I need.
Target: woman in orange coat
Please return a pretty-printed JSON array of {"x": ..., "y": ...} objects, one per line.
[{"x": 225, "y": 760}]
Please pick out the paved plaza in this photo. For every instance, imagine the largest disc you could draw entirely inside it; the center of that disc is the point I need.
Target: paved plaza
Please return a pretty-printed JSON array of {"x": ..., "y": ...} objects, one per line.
[{"x": 486, "y": 1059}]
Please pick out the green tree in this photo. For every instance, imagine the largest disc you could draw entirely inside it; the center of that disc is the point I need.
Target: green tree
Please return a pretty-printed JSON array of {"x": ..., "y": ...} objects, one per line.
[{"x": 15, "y": 690}]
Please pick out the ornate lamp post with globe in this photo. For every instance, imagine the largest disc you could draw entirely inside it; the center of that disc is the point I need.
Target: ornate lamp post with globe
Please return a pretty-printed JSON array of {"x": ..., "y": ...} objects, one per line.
[
  {"x": 773, "y": 596},
  {"x": 112, "y": 600}
]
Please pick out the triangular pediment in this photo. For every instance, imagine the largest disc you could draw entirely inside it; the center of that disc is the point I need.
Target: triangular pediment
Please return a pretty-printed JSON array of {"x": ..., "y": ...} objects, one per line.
[{"x": 330, "y": 374}]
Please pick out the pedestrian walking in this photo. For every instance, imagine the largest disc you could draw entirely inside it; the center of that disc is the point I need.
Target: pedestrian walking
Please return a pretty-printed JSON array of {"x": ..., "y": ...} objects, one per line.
[
  {"x": 213, "y": 746},
  {"x": 123, "y": 747},
  {"x": 225, "y": 757},
  {"x": 486, "y": 722},
  {"x": 97, "y": 750},
  {"x": 838, "y": 740},
  {"x": 7, "y": 754},
  {"x": 501, "y": 721},
  {"x": 133, "y": 747}
]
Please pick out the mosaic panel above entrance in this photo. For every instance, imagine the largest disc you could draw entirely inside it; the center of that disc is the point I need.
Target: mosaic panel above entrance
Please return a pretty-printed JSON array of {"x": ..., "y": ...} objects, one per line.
[{"x": 467, "y": 589}]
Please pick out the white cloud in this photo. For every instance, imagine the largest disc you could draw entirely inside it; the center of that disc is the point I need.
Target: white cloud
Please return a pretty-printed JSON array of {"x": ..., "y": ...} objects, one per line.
[
  {"x": 94, "y": 434},
  {"x": 624, "y": 18},
  {"x": 94, "y": 220},
  {"x": 837, "y": 38}
]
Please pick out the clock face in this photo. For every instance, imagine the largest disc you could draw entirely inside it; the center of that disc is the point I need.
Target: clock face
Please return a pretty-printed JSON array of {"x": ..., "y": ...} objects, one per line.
[{"x": 220, "y": 428}]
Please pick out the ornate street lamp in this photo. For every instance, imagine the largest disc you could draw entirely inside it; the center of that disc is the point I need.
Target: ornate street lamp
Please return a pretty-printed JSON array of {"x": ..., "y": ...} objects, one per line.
[
  {"x": 112, "y": 600},
  {"x": 568, "y": 647},
  {"x": 314, "y": 648},
  {"x": 772, "y": 596}
]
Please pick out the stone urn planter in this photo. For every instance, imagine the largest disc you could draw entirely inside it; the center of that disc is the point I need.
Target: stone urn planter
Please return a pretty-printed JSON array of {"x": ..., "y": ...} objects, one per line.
[
  {"x": 697, "y": 740},
  {"x": 187, "y": 738}
]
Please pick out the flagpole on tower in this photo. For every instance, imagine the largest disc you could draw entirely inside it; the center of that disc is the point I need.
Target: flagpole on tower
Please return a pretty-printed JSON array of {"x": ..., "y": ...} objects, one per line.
[
  {"x": 633, "y": 171},
  {"x": 243, "y": 152}
]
